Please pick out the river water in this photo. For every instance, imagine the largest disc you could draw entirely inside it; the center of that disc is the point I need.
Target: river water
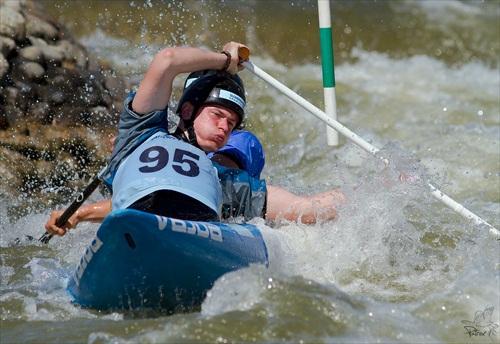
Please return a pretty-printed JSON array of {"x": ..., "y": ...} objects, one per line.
[{"x": 418, "y": 79}]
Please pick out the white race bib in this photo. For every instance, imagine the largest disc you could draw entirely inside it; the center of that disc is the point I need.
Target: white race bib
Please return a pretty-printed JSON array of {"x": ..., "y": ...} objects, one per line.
[{"x": 165, "y": 163}]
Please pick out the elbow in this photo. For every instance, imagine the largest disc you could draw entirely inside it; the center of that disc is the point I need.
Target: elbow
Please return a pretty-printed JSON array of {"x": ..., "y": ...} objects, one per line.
[
  {"x": 168, "y": 60},
  {"x": 164, "y": 59}
]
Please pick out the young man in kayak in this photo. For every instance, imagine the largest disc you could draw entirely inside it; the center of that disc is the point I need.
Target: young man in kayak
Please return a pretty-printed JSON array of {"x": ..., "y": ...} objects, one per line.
[
  {"x": 240, "y": 164},
  {"x": 171, "y": 175}
]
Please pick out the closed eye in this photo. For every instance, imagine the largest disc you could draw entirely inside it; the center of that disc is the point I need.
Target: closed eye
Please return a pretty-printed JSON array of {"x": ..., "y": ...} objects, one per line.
[{"x": 230, "y": 118}]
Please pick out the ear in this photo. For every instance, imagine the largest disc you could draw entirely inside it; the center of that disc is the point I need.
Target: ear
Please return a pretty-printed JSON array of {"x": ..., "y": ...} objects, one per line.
[{"x": 187, "y": 111}]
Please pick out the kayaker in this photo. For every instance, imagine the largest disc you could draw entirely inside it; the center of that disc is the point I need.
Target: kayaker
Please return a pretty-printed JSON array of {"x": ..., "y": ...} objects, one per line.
[
  {"x": 170, "y": 175},
  {"x": 240, "y": 164},
  {"x": 244, "y": 193}
]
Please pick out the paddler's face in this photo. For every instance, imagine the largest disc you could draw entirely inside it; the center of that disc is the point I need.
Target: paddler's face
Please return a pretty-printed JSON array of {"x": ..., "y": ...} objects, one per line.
[{"x": 213, "y": 126}]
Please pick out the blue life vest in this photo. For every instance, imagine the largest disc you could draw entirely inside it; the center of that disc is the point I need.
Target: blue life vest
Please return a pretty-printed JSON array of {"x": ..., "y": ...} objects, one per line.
[{"x": 242, "y": 195}]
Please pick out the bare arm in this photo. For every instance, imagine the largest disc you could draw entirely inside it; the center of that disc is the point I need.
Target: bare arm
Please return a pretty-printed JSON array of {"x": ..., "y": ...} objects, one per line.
[
  {"x": 95, "y": 212},
  {"x": 156, "y": 87},
  {"x": 282, "y": 204}
]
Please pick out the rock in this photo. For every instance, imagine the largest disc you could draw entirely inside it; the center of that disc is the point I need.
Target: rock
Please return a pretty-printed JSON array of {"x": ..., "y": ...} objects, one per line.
[
  {"x": 33, "y": 71},
  {"x": 58, "y": 104},
  {"x": 37, "y": 52},
  {"x": 14, "y": 5},
  {"x": 74, "y": 52},
  {"x": 12, "y": 24},
  {"x": 7, "y": 45},
  {"x": 38, "y": 27},
  {"x": 4, "y": 66},
  {"x": 52, "y": 53},
  {"x": 31, "y": 53}
]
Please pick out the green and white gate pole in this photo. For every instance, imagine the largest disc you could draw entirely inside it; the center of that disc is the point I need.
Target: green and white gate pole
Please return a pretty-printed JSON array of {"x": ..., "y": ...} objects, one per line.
[{"x": 327, "y": 63}]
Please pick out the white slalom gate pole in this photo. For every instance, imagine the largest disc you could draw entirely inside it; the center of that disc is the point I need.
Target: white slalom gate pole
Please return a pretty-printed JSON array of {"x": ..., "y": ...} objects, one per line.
[
  {"x": 328, "y": 67},
  {"x": 441, "y": 196}
]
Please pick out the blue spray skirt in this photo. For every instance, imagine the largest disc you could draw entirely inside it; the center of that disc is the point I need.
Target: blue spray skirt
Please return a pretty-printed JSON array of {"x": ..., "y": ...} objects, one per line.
[{"x": 140, "y": 260}]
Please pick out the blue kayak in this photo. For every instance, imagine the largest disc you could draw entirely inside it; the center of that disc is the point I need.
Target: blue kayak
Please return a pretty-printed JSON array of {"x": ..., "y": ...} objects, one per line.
[{"x": 140, "y": 260}]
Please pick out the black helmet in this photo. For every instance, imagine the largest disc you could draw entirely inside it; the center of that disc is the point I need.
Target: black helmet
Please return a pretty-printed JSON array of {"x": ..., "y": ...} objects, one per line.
[{"x": 210, "y": 86}]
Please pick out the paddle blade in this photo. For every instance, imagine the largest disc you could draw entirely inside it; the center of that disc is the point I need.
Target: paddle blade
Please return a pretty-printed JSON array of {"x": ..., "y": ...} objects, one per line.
[{"x": 45, "y": 238}]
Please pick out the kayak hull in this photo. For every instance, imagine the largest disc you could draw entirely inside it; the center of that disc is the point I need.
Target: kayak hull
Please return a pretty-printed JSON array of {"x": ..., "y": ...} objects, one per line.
[{"x": 140, "y": 260}]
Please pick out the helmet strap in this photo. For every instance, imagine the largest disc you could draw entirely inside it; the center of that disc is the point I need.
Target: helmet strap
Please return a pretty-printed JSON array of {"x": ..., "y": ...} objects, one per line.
[{"x": 191, "y": 135}]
